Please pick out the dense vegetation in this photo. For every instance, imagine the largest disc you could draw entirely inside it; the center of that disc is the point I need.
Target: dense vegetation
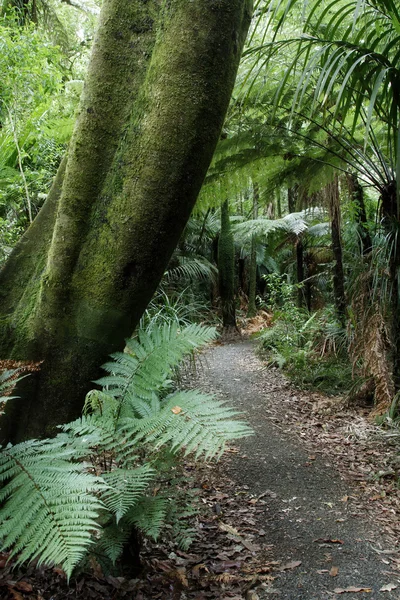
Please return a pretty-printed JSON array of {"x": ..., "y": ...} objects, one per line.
[{"x": 294, "y": 234}]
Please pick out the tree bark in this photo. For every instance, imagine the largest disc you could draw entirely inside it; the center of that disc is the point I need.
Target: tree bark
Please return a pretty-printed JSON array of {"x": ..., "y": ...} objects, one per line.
[
  {"x": 357, "y": 193},
  {"x": 226, "y": 270},
  {"x": 332, "y": 191},
  {"x": 252, "y": 308},
  {"x": 300, "y": 270},
  {"x": 390, "y": 224},
  {"x": 150, "y": 118},
  {"x": 293, "y": 193}
]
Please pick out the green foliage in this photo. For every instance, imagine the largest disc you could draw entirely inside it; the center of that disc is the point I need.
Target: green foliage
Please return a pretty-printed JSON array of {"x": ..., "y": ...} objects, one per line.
[
  {"x": 312, "y": 350},
  {"x": 133, "y": 432},
  {"x": 49, "y": 503}
]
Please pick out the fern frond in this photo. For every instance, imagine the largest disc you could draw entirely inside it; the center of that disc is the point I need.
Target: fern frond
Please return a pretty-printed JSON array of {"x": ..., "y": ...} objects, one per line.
[
  {"x": 145, "y": 367},
  {"x": 190, "y": 421},
  {"x": 112, "y": 542},
  {"x": 51, "y": 503},
  {"x": 126, "y": 486},
  {"x": 148, "y": 515}
]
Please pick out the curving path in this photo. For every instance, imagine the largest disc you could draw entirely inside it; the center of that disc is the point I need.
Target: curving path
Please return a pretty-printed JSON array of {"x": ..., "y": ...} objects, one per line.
[{"x": 304, "y": 516}]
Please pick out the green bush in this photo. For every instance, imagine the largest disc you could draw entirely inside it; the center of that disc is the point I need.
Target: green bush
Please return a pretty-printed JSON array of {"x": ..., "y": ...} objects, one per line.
[{"x": 312, "y": 350}]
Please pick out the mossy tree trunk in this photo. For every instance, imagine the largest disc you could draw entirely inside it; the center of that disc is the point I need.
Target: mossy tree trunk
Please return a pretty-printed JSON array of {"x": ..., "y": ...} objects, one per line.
[
  {"x": 226, "y": 269},
  {"x": 357, "y": 194},
  {"x": 252, "y": 308},
  {"x": 155, "y": 97}
]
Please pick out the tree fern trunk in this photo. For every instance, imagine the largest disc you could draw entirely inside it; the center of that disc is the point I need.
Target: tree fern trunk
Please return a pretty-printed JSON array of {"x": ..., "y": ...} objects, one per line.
[
  {"x": 357, "y": 193},
  {"x": 332, "y": 192},
  {"x": 391, "y": 225},
  {"x": 150, "y": 118},
  {"x": 300, "y": 270},
  {"x": 226, "y": 269},
  {"x": 252, "y": 309}
]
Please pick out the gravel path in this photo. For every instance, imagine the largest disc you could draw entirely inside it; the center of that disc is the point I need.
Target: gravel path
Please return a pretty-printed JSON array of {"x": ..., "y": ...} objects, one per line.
[{"x": 305, "y": 514}]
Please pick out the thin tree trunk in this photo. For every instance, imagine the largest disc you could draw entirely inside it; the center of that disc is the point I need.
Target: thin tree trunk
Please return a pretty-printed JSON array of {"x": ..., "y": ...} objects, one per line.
[
  {"x": 292, "y": 198},
  {"x": 300, "y": 270},
  {"x": 226, "y": 270},
  {"x": 252, "y": 308},
  {"x": 332, "y": 192},
  {"x": 357, "y": 193},
  {"x": 139, "y": 154},
  {"x": 390, "y": 223}
]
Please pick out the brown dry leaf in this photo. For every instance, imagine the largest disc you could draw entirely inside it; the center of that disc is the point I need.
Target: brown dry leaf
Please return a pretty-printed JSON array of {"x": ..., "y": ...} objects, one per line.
[
  {"x": 334, "y": 571},
  {"x": 351, "y": 589},
  {"x": 180, "y": 575},
  {"x": 250, "y": 546},
  {"x": 388, "y": 588},
  {"x": 16, "y": 595},
  {"x": 225, "y": 578},
  {"x": 176, "y": 410},
  {"x": 229, "y": 529},
  {"x": 197, "y": 568},
  {"x": 291, "y": 565},
  {"x": 24, "y": 586}
]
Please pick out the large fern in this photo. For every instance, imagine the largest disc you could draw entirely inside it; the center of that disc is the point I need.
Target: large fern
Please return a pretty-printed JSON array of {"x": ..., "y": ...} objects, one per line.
[{"x": 131, "y": 430}]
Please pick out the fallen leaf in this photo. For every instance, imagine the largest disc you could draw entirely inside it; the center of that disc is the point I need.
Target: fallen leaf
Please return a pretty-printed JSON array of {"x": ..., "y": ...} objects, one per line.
[
  {"x": 334, "y": 571},
  {"x": 351, "y": 589},
  {"x": 176, "y": 410},
  {"x": 23, "y": 586},
  {"x": 327, "y": 541},
  {"x": 388, "y": 588},
  {"x": 291, "y": 565},
  {"x": 322, "y": 571},
  {"x": 229, "y": 529},
  {"x": 16, "y": 595}
]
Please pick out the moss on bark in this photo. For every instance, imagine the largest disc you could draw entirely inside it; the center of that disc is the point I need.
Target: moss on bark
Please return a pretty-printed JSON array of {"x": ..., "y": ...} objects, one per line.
[{"x": 112, "y": 241}]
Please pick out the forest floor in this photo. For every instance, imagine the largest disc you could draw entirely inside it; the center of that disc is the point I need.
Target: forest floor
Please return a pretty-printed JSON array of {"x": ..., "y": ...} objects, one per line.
[{"x": 307, "y": 508}]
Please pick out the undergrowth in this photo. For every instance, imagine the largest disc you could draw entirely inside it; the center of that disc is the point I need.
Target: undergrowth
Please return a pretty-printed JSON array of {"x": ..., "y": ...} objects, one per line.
[
  {"x": 114, "y": 474},
  {"x": 310, "y": 348}
]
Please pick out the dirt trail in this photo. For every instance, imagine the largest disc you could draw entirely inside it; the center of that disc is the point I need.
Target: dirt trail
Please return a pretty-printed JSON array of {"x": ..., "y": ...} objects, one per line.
[{"x": 305, "y": 514}]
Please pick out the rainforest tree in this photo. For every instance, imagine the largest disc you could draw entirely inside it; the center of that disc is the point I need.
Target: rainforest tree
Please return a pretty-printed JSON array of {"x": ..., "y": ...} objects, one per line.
[{"x": 155, "y": 96}]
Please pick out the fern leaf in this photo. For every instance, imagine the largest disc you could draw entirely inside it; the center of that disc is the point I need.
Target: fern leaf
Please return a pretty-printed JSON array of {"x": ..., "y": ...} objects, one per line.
[
  {"x": 126, "y": 486},
  {"x": 148, "y": 515},
  {"x": 50, "y": 505},
  {"x": 191, "y": 421},
  {"x": 144, "y": 369}
]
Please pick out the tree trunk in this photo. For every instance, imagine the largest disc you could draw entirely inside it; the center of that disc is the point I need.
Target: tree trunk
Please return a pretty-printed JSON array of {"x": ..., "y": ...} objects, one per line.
[
  {"x": 150, "y": 117},
  {"x": 300, "y": 271},
  {"x": 226, "y": 270},
  {"x": 332, "y": 192},
  {"x": 357, "y": 193},
  {"x": 390, "y": 224},
  {"x": 292, "y": 198},
  {"x": 252, "y": 308}
]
